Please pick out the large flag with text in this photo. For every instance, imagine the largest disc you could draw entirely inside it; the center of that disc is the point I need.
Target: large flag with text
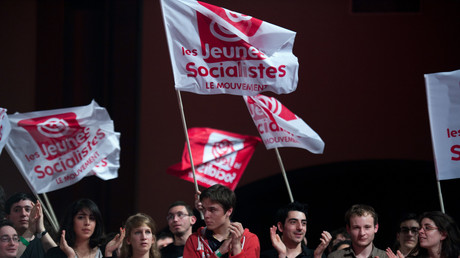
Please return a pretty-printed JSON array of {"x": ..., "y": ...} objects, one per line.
[
  {"x": 57, "y": 148},
  {"x": 5, "y": 128},
  {"x": 279, "y": 127},
  {"x": 214, "y": 50},
  {"x": 219, "y": 157},
  {"x": 443, "y": 93}
]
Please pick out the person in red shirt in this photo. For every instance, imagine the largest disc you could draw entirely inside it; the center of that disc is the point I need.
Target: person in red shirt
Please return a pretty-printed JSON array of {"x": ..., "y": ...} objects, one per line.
[{"x": 221, "y": 237}]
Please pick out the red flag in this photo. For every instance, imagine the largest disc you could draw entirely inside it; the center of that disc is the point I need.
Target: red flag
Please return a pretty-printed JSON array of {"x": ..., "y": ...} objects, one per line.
[
  {"x": 279, "y": 127},
  {"x": 219, "y": 157}
]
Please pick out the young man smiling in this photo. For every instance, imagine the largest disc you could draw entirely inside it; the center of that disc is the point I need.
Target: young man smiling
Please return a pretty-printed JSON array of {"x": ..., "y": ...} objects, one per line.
[
  {"x": 221, "y": 237},
  {"x": 291, "y": 221}
]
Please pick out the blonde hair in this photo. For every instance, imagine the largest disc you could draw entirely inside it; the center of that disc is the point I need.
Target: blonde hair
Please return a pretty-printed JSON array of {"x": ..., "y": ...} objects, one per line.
[{"x": 135, "y": 221}]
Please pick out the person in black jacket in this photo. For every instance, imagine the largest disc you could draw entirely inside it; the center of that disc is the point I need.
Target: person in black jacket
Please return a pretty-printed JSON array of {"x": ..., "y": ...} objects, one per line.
[{"x": 291, "y": 222}]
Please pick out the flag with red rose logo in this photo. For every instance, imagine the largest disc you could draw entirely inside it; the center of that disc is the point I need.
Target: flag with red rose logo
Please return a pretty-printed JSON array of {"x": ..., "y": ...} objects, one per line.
[
  {"x": 57, "y": 148},
  {"x": 279, "y": 127},
  {"x": 5, "y": 128},
  {"x": 219, "y": 157},
  {"x": 214, "y": 50}
]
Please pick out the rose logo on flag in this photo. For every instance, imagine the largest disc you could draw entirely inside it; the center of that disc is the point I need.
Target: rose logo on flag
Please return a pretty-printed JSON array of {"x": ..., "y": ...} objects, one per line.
[
  {"x": 56, "y": 135},
  {"x": 222, "y": 152},
  {"x": 217, "y": 51},
  {"x": 279, "y": 127},
  {"x": 219, "y": 44},
  {"x": 244, "y": 23},
  {"x": 219, "y": 157},
  {"x": 54, "y": 149},
  {"x": 53, "y": 127},
  {"x": 222, "y": 33},
  {"x": 275, "y": 107},
  {"x": 222, "y": 149}
]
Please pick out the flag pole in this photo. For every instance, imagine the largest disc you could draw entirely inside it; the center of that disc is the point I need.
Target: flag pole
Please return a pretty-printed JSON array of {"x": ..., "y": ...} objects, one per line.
[
  {"x": 18, "y": 165},
  {"x": 48, "y": 215},
  {"x": 53, "y": 215},
  {"x": 284, "y": 174},
  {"x": 182, "y": 115},
  {"x": 440, "y": 197},
  {"x": 181, "y": 107}
]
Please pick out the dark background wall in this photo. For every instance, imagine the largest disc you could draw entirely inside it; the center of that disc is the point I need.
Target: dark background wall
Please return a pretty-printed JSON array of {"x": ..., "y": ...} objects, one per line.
[{"x": 361, "y": 88}]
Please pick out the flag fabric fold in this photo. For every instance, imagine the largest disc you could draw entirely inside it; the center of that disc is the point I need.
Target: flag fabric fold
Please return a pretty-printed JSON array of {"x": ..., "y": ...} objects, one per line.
[
  {"x": 217, "y": 51},
  {"x": 54, "y": 149},
  {"x": 279, "y": 127},
  {"x": 5, "y": 128},
  {"x": 443, "y": 95},
  {"x": 219, "y": 157}
]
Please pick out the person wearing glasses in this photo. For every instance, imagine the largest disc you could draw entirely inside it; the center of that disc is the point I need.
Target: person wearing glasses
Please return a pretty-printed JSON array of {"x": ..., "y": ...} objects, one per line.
[
  {"x": 362, "y": 225},
  {"x": 180, "y": 221},
  {"x": 9, "y": 240},
  {"x": 438, "y": 237},
  {"x": 221, "y": 237},
  {"x": 407, "y": 235},
  {"x": 291, "y": 222}
]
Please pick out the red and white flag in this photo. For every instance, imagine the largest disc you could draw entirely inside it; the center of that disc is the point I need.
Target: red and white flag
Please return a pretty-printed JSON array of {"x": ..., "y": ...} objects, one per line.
[
  {"x": 57, "y": 148},
  {"x": 5, "y": 128},
  {"x": 443, "y": 93},
  {"x": 219, "y": 157},
  {"x": 217, "y": 51},
  {"x": 279, "y": 127}
]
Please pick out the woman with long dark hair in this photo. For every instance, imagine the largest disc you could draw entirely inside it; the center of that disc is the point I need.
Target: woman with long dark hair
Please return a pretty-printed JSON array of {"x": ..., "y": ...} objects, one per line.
[
  {"x": 438, "y": 237},
  {"x": 82, "y": 232}
]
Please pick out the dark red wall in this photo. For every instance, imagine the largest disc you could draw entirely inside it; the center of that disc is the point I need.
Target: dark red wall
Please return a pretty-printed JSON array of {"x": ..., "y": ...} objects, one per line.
[{"x": 361, "y": 88}]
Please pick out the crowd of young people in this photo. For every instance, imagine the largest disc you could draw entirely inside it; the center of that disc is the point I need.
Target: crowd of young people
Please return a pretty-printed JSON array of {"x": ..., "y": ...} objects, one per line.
[{"x": 81, "y": 234}]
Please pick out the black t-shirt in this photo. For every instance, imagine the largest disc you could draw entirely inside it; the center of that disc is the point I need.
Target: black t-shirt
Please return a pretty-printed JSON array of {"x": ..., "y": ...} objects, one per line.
[
  {"x": 34, "y": 249},
  {"x": 172, "y": 251}
]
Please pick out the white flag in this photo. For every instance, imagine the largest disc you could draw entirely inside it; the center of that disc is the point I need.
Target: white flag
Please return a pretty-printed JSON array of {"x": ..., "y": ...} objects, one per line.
[
  {"x": 57, "y": 148},
  {"x": 443, "y": 93},
  {"x": 214, "y": 50},
  {"x": 279, "y": 127},
  {"x": 5, "y": 128}
]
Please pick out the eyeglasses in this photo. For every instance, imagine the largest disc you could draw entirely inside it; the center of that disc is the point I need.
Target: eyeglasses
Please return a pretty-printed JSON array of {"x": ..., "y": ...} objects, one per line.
[
  {"x": 428, "y": 228},
  {"x": 180, "y": 215},
  {"x": 7, "y": 239},
  {"x": 406, "y": 230}
]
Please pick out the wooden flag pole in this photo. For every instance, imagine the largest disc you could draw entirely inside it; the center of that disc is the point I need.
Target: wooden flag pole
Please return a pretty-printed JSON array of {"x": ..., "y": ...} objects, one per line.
[
  {"x": 181, "y": 107},
  {"x": 440, "y": 197},
  {"x": 53, "y": 215},
  {"x": 52, "y": 221},
  {"x": 284, "y": 174}
]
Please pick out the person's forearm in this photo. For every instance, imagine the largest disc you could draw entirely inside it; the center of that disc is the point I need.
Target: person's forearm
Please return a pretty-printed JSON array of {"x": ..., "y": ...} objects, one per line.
[{"x": 48, "y": 242}]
